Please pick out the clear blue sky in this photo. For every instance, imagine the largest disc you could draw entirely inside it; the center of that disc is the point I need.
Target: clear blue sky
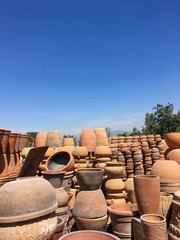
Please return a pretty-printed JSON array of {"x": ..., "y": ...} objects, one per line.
[{"x": 73, "y": 64}]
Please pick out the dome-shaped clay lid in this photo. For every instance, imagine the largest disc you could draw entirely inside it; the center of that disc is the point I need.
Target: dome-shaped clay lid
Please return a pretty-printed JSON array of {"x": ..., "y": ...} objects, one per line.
[
  {"x": 26, "y": 199},
  {"x": 103, "y": 150},
  {"x": 80, "y": 152}
]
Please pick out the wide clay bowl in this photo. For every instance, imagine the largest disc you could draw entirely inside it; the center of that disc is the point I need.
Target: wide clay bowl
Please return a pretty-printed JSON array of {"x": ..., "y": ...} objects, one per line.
[
  {"x": 89, "y": 235},
  {"x": 172, "y": 139},
  {"x": 26, "y": 199},
  {"x": 89, "y": 178},
  {"x": 123, "y": 209}
]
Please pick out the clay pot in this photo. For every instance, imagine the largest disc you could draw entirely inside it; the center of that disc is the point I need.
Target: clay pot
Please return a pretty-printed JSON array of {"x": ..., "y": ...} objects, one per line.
[
  {"x": 89, "y": 235},
  {"x": 54, "y": 139},
  {"x": 24, "y": 140},
  {"x": 54, "y": 177},
  {"x": 67, "y": 181},
  {"x": 11, "y": 167},
  {"x": 89, "y": 178},
  {"x": 68, "y": 141},
  {"x": 5, "y": 141},
  {"x": 66, "y": 148},
  {"x": 154, "y": 227},
  {"x": 114, "y": 169},
  {"x": 172, "y": 154},
  {"x": 165, "y": 205},
  {"x": 41, "y": 139},
  {"x": 80, "y": 152},
  {"x": 129, "y": 185},
  {"x": 25, "y": 151},
  {"x": 18, "y": 138},
  {"x": 60, "y": 161},
  {"x": 59, "y": 229},
  {"x": 11, "y": 144},
  {"x": 17, "y": 162},
  {"x": 62, "y": 197},
  {"x": 113, "y": 201},
  {"x": 90, "y": 204},
  {"x": 114, "y": 185},
  {"x": 101, "y": 137},
  {"x": 103, "y": 151},
  {"x": 172, "y": 139},
  {"x": 1, "y": 134},
  {"x": 50, "y": 151},
  {"x": 4, "y": 174},
  {"x": 121, "y": 219},
  {"x": 97, "y": 224},
  {"x": 147, "y": 188},
  {"x": 88, "y": 139}
]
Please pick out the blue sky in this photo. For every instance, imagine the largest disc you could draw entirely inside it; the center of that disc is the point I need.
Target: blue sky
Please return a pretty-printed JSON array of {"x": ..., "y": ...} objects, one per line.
[{"x": 74, "y": 64}]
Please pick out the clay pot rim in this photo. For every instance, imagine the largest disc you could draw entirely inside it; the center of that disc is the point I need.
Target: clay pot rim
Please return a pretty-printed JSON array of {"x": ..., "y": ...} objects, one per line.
[
  {"x": 60, "y": 224},
  {"x": 84, "y": 170},
  {"x": 53, "y": 172},
  {"x": 170, "y": 133},
  {"x": 146, "y": 177},
  {"x": 162, "y": 218},
  {"x": 114, "y": 163},
  {"x": 92, "y": 219},
  {"x": 122, "y": 212}
]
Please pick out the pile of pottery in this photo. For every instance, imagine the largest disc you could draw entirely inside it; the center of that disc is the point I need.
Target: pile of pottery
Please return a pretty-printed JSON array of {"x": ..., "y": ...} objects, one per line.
[
  {"x": 103, "y": 155},
  {"x": 114, "y": 148},
  {"x": 138, "y": 162},
  {"x": 173, "y": 143}
]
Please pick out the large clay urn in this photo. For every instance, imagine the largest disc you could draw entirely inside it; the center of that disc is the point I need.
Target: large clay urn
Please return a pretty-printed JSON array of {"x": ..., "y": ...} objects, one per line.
[
  {"x": 54, "y": 139},
  {"x": 172, "y": 139},
  {"x": 27, "y": 210},
  {"x": 18, "y": 138},
  {"x": 54, "y": 177},
  {"x": 24, "y": 141},
  {"x": 88, "y": 139},
  {"x": 101, "y": 137},
  {"x": 147, "y": 188},
  {"x": 69, "y": 141},
  {"x": 121, "y": 219},
  {"x": 154, "y": 227},
  {"x": 5, "y": 141},
  {"x": 172, "y": 154},
  {"x": 41, "y": 139}
]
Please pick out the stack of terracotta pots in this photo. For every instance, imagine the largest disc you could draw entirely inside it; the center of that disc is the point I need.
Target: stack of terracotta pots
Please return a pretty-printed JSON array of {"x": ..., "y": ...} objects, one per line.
[
  {"x": 135, "y": 139},
  {"x": 143, "y": 138},
  {"x": 160, "y": 147},
  {"x": 114, "y": 149},
  {"x": 138, "y": 162},
  {"x": 173, "y": 143},
  {"x": 155, "y": 154},
  {"x": 54, "y": 139},
  {"x": 121, "y": 139},
  {"x": 129, "y": 164},
  {"x": 147, "y": 157},
  {"x": 128, "y": 139},
  {"x": 90, "y": 209},
  {"x": 103, "y": 155}
]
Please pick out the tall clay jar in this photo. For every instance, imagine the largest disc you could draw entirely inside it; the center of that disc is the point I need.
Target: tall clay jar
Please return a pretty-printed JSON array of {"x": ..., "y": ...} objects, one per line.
[
  {"x": 24, "y": 141},
  {"x": 54, "y": 139},
  {"x": 154, "y": 227},
  {"x": 11, "y": 156},
  {"x": 147, "y": 192},
  {"x": 41, "y": 139},
  {"x": 101, "y": 137},
  {"x": 5, "y": 141},
  {"x": 88, "y": 139},
  {"x": 1, "y": 134},
  {"x": 17, "y": 157}
]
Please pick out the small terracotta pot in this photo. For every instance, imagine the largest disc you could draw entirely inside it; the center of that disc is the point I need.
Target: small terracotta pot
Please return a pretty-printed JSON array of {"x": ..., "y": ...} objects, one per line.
[
  {"x": 103, "y": 151},
  {"x": 165, "y": 205},
  {"x": 24, "y": 140},
  {"x": 97, "y": 224},
  {"x": 114, "y": 185},
  {"x": 147, "y": 188},
  {"x": 80, "y": 152},
  {"x": 172, "y": 139},
  {"x": 54, "y": 139},
  {"x": 89, "y": 235},
  {"x": 88, "y": 139},
  {"x": 154, "y": 227},
  {"x": 59, "y": 229},
  {"x": 54, "y": 177},
  {"x": 41, "y": 139}
]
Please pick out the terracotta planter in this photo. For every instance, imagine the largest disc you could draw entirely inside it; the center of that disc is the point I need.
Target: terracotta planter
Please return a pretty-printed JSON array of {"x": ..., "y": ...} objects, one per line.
[
  {"x": 114, "y": 169},
  {"x": 54, "y": 139},
  {"x": 4, "y": 174},
  {"x": 18, "y": 138},
  {"x": 172, "y": 139},
  {"x": 62, "y": 197},
  {"x": 17, "y": 162},
  {"x": 121, "y": 219},
  {"x": 165, "y": 205},
  {"x": 54, "y": 177},
  {"x": 172, "y": 154},
  {"x": 68, "y": 141},
  {"x": 59, "y": 229},
  {"x": 80, "y": 152},
  {"x": 101, "y": 137},
  {"x": 4, "y": 141},
  {"x": 11, "y": 167},
  {"x": 147, "y": 188},
  {"x": 103, "y": 151},
  {"x": 89, "y": 235},
  {"x": 41, "y": 139},
  {"x": 154, "y": 227},
  {"x": 12, "y": 141},
  {"x": 1, "y": 134},
  {"x": 89, "y": 178},
  {"x": 114, "y": 185},
  {"x": 90, "y": 204},
  {"x": 24, "y": 140},
  {"x": 88, "y": 139},
  {"x": 97, "y": 224},
  {"x": 60, "y": 161},
  {"x": 67, "y": 181}
]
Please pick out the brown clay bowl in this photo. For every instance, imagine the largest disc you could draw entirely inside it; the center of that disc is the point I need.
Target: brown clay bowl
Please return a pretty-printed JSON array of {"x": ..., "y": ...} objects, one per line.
[{"x": 172, "y": 139}]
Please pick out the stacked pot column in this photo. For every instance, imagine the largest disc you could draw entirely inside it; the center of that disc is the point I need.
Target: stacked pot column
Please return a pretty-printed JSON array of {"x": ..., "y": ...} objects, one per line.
[
  {"x": 103, "y": 155},
  {"x": 114, "y": 148},
  {"x": 4, "y": 138},
  {"x": 121, "y": 157},
  {"x": 137, "y": 159},
  {"x": 90, "y": 209},
  {"x": 147, "y": 157}
]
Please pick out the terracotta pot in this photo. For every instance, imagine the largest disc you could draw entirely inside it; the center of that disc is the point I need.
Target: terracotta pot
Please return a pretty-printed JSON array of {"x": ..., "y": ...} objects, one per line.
[
  {"x": 50, "y": 151},
  {"x": 172, "y": 154},
  {"x": 80, "y": 152},
  {"x": 147, "y": 188},
  {"x": 172, "y": 139},
  {"x": 89, "y": 235},
  {"x": 154, "y": 227},
  {"x": 59, "y": 229},
  {"x": 90, "y": 204},
  {"x": 165, "y": 205},
  {"x": 54, "y": 177},
  {"x": 4, "y": 174},
  {"x": 12, "y": 141},
  {"x": 68, "y": 141},
  {"x": 17, "y": 162},
  {"x": 103, "y": 151},
  {"x": 129, "y": 185},
  {"x": 18, "y": 138},
  {"x": 54, "y": 139},
  {"x": 114, "y": 201},
  {"x": 24, "y": 140},
  {"x": 101, "y": 137},
  {"x": 88, "y": 139},
  {"x": 114, "y": 169},
  {"x": 11, "y": 167},
  {"x": 60, "y": 161},
  {"x": 114, "y": 185},
  {"x": 4, "y": 141},
  {"x": 25, "y": 151},
  {"x": 66, "y": 148},
  {"x": 1, "y": 134},
  {"x": 62, "y": 197},
  {"x": 97, "y": 224},
  {"x": 67, "y": 181},
  {"x": 41, "y": 139},
  {"x": 137, "y": 229},
  {"x": 121, "y": 219},
  {"x": 89, "y": 178}
]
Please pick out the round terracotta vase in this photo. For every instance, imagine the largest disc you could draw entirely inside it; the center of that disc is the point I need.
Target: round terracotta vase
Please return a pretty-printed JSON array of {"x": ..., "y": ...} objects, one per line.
[
  {"x": 24, "y": 141},
  {"x": 59, "y": 229},
  {"x": 89, "y": 178},
  {"x": 41, "y": 139},
  {"x": 172, "y": 139},
  {"x": 121, "y": 219},
  {"x": 113, "y": 169},
  {"x": 54, "y": 177},
  {"x": 154, "y": 227},
  {"x": 172, "y": 154},
  {"x": 101, "y": 137},
  {"x": 147, "y": 188},
  {"x": 88, "y": 139},
  {"x": 68, "y": 141},
  {"x": 60, "y": 161},
  {"x": 5, "y": 141},
  {"x": 54, "y": 139},
  {"x": 89, "y": 235}
]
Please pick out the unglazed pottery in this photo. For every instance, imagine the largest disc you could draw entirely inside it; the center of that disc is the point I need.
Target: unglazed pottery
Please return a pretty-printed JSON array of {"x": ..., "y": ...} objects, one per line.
[
  {"x": 24, "y": 140},
  {"x": 165, "y": 205},
  {"x": 54, "y": 177},
  {"x": 172, "y": 154},
  {"x": 101, "y": 137},
  {"x": 61, "y": 197},
  {"x": 172, "y": 139},
  {"x": 88, "y": 139},
  {"x": 41, "y": 139},
  {"x": 114, "y": 185},
  {"x": 97, "y": 224},
  {"x": 18, "y": 138},
  {"x": 67, "y": 181},
  {"x": 4, "y": 141},
  {"x": 80, "y": 152},
  {"x": 103, "y": 151},
  {"x": 54, "y": 139},
  {"x": 69, "y": 141},
  {"x": 113, "y": 169},
  {"x": 147, "y": 188},
  {"x": 154, "y": 227},
  {"x": 59, "y": 230}
]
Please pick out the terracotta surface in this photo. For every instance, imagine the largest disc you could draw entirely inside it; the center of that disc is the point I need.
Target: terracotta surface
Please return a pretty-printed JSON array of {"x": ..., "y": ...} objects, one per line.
[
  {"x": 172, "y": 154},
  {"x": 4, "y": 174},
  {"x": 103, "y": 151},
  {"x": 61, "y": 197},
  {"x": 25, "y": 151},
  {"x": 89, "y": 235},
  {"x": 24, "y": 140},
  {"x": 97, "y": 224},
  {"x": 137, "y": 229},
  {"x": 1, "y": 134},
  {"x": 101, "y": 137},
  {"x": 154, "y": 227},
  {"x": 17, "y": 162},
  {"x": 11, "y": 166},
  {"x": 4, "y": 141},
  {"x": 41, "y": 139},
  {"x": 18, "y": 138},
  {"x": 89, "y": 178},
  {"x": 72, "y": 201},
  {"x": 88, "y": 139},
  {"x": 113, "y": 169},
  {"x": 172, "y": 139},
  {"x": 66, "y": 148},
  {"x": 147, "y": 188},
  {"x": 114, "y": 185},
  {"x": 54, "y": 139},
  {"x": 80, "y": 152},
  {"x": 54, "y": 177},
  {"x": 68, "y": 142},
  {"x": 59, "y": 229},
  {"x": 67, "y": 181},
  {"x": 165, "y": 205}
]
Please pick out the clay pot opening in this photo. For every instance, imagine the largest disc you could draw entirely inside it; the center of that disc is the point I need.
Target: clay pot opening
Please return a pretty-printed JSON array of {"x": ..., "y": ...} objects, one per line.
[
  {"x": 53, "y": 172},
  {"x": 146, "y": 176},
  {"x": 58, "y": 161},
  {"x": 84, "y": 170},
  {"x": 154, "y": 218}
]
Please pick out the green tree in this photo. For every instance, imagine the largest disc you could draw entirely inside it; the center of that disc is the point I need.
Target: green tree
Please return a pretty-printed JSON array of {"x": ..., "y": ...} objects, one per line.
[
  {"x": 33, "y": 134},
  {"x": 162, "y": 120},
  {"x": 135, "y": 132},
  {"x": 71, "y": 136}
]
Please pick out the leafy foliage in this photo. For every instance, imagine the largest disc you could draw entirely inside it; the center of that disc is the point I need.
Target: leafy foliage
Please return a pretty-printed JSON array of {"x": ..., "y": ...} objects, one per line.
[{"x": 33, "y": 134}]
